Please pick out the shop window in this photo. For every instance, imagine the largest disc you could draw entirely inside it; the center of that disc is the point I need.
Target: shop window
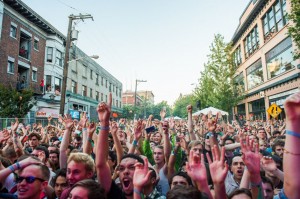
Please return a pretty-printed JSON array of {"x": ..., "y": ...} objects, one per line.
[
  {"x": 280, "y": 59},
  {"x": 255, "y": 74}
]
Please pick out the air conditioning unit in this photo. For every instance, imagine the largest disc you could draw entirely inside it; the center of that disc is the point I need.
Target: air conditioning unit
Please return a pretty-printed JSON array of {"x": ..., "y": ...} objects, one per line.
[{"x": 261, "y": 94}]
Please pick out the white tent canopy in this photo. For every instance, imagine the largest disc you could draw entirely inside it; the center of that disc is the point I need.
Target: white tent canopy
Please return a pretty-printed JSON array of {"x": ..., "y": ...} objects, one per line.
[
  {"x": 175, "y": 118},
  {"x": 207, "y": 110}
]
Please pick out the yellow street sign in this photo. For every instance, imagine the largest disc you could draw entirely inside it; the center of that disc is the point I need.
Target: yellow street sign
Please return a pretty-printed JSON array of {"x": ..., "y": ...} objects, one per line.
[{"x": 274, "y": 110}]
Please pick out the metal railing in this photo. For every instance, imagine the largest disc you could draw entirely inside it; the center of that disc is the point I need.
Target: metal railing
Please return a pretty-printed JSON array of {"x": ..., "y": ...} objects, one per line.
[{"x": 6, "y": 122}]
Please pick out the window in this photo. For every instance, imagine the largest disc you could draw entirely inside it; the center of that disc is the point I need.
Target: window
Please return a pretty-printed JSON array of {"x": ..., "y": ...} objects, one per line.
[
  {"x": 91, "y": 93},
  {"x": 13, "y": 31},
  {"x": 251, "y": 42},
  {"x": 106, "y": 83},
  {"x": 102, "y": 97},
  {"x": 97, "y": 95},
  {"x": 239, "y": 83},
  {"x": 97, "y": 79},
  {"x": 280, "y": 58},
  {"x": 34, "y": 75},
  {"x": 237, "y": 58},
  {"x": 109, "y": 87},
  {"x": 57, "y": 82},
  {"x": 74, "y": 87},
  {"x": 36, "y": 44},
  {"x": 116, "y": 91},
  {"x": 91, "y": 74},
  {"x": 255, "y": 74},
  {"x": 101, "y": 81},
  {"x": 84, "y": 74},
  {"x": 274, "y": 19},
  {"x": 83, "y": 93},
  {"x": 48, "y": 83},
  {"x": 10, "y": 67},
  {"x": 106, "y": 98},
  {"x": 49, "y": 54},
  {"x": 120, "y": 105},
  {"x": 58, "y": 60},
  {"x": 117, "y": 103}
]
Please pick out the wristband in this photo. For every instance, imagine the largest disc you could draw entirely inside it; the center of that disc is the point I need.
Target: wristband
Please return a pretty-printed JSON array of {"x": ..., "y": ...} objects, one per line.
[
  {"x": 18, "y": 165},
  {"x": 84, "y": 129},
  {"x": 138, "y": 192},
  {"x": 255, "y": 184},
  {"x": 91, "y": 141},
  {"x": 105, "y": 128},
  {"x": 288, "y": 132},
  {"x": 135, "y": 142},
  {"x": 11, "y": 167}
]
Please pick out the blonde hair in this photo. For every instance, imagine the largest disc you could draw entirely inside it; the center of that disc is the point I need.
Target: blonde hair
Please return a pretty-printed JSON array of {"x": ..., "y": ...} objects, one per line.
[{"x": 83, "y": 158}]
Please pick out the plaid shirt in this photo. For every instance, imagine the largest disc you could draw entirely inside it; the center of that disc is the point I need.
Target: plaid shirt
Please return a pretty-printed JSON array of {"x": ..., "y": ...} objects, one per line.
[{"x": 155, "y": 195}]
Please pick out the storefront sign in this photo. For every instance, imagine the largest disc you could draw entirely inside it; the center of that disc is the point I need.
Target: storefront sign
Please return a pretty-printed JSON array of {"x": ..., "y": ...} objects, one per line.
[
  {"x": 46, "y": 112},
  {"x": 274, "y": 110}
]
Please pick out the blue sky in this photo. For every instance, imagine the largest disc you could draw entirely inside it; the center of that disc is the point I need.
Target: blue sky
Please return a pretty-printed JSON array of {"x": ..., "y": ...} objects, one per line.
[{"x": 165, "y": 42}]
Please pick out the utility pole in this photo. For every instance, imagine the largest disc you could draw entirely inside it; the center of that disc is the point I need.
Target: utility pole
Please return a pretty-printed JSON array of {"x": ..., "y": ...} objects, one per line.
[
  {"x": 135, "y": 95},
  {"x": 66, "y": 61}
]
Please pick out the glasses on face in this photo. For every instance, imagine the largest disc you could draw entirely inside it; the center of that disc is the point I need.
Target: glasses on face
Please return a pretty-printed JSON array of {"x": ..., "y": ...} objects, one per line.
[{"x": 28, "y": 179}]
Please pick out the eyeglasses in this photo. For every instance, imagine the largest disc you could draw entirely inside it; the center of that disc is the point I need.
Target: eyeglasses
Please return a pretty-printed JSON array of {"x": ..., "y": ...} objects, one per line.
[{"x": 28, "y": 179}]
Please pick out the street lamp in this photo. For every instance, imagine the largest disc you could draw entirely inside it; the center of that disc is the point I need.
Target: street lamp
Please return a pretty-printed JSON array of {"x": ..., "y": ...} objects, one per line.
[
  {"x": 135, "y": 95},
  {"x": 80, "y": 58}
]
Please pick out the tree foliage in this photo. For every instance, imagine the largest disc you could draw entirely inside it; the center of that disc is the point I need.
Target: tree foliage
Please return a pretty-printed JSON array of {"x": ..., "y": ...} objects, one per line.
[
  {"x": 216, "y": 85},
  {"x": 15, "y": 104},
  {"x": 294, "y": 29},
  {"x": 145, "y": 109},
  {"x": 180, "y": 105}
]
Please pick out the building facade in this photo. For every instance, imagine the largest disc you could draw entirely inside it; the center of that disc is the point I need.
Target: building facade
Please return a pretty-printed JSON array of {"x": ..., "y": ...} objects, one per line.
[
  {"x": 88, "y": 84},
  {"x": 22, "y": 46},
  {"x": 147, "y": 96},
  {"x": 32, "y": 56},
  {"x": 265, "y": 69}
]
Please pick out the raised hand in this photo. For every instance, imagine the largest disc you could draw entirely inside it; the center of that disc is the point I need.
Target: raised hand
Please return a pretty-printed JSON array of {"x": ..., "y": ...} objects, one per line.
[
  {"x": 4, "y": 135},
  {"x": 218, "y": 168},
  {"x": 141, "y": 174},
  {"x": 69, "y": 123},
  {"x": 292, "y": 110},
  {"x": 195, "y": 168},
  {"x": 268, "y": 164},
  {"x": 250, "y": 155},
  {"x": 14, "y": 126},
  {"x": 189, "y": 108},
  {"x": 83, "y": 120},
  {"x": 163, "y": 113},
  {"x": 92, "y": 127},
  {"x": 138, "y": 131},
  {"x": 104, "y": 111}
]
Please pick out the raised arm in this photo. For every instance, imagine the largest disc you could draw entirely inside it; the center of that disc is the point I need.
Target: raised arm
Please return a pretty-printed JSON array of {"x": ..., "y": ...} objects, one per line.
[
  {"x": 103, "y": 170},
  {"x": 65, "y": 142},
  {"x": 137, "y": 135},
  {"x": 291, "y": 157},
  {"x": 88, "y": 143},
  {"x": 190, "y": 123},
  {"x": 218, "y": 171},
  {"x": 117, "y": 143}
]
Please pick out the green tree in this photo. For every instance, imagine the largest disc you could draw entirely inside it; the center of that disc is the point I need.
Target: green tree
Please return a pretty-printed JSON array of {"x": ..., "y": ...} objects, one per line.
[
  {"x": 294, "y": 29},
  {"x": 15, "y": 104},
  {"x": 216, "y": 87},
  {"x": 179, "y": 108}
]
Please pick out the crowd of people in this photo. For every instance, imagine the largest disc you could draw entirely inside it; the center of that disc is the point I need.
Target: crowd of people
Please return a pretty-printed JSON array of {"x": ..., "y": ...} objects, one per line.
[{"x": 200, "y": 157}]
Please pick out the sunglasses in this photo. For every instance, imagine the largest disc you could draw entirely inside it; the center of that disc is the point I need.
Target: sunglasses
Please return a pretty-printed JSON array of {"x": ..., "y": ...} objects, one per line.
[{"x": 29, "y": 179}]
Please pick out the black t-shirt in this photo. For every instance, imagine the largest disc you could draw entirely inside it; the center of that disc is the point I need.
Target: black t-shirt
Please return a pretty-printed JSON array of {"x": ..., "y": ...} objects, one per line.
[{"x": 115, "y": 192}]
